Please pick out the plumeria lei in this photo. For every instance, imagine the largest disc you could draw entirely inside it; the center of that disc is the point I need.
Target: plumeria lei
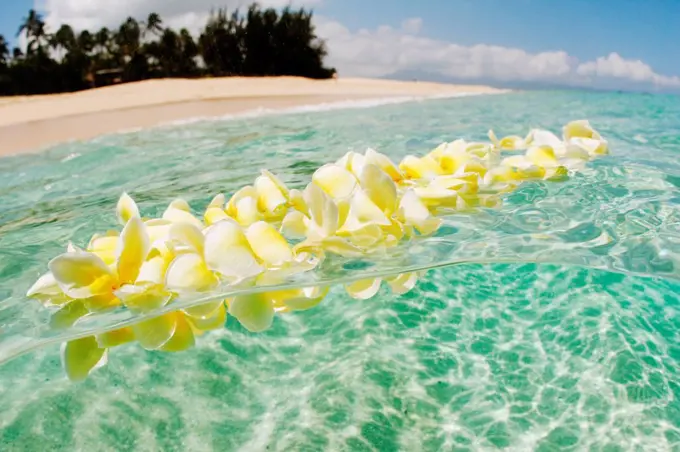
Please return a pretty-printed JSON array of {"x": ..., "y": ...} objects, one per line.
[{"x": 267, "y": 232}]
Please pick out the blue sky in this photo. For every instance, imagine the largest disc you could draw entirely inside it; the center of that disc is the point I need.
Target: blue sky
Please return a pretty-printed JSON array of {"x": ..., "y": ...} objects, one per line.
[
  {"x": 646, "y": 30},
  {"x": 11, "y": 12}
]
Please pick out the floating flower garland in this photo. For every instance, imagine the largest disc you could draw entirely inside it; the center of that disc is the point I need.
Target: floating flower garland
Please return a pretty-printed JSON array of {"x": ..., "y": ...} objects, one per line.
[{"x": 266, "y": 232}]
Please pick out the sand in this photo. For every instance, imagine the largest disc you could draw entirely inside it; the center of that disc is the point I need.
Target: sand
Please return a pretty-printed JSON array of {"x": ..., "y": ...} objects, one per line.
[{"x": 29, "y": 123}]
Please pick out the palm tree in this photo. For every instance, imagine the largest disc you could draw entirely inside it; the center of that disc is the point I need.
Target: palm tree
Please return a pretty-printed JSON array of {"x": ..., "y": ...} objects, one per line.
[
  {"x": 257, "y": 42},
  {"x": 34, "y": 27},
  {"x": 85, "y": 41},
  {"x": 103, "y": 40},
  {"x": 4, "y": 50},
  {"x": 128, "y": 37},
  {"x": 220, "y": 44},
  {"x": 154, "y": 24},
  {"x": 64, "y": 39},
  {"x": 189, "y": 53}
]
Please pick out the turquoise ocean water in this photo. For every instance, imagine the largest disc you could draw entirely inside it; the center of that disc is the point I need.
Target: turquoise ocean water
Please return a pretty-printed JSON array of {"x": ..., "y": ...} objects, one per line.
[{"x": 551, "y": 323}]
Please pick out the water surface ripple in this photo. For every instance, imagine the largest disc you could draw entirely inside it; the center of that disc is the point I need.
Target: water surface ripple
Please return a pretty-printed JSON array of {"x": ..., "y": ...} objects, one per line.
[{"x": 550, "y": 323}]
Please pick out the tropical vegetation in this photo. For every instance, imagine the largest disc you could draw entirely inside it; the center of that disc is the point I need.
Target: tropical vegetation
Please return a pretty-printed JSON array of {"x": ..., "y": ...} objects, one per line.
[{"x": 258, "y": 42}]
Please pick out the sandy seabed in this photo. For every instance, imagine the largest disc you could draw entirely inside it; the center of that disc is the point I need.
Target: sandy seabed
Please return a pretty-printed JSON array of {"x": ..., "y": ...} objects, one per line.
[{"x": 28, "y": 123}]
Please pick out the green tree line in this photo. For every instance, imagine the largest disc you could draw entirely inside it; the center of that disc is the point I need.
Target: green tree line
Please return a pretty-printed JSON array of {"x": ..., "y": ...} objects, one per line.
[{"x": 259, "y": 42}]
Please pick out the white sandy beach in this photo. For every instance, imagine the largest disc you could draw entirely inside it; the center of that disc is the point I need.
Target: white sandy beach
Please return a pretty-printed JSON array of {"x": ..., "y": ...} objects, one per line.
[{"x": 29, "y": 123}]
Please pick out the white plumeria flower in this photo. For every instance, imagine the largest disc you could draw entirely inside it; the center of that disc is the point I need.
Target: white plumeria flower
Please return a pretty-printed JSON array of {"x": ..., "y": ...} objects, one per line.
[
  {"x": 267, "y": 199},
  {"x": 370, "y": 220},
  {"x": 508, "y": 143},
  {"x": 320, "y": 228},
  {"x": 468, "y": 161},
  {"x": 84, "y": 275},
  {"x": 223, "y": 251}
]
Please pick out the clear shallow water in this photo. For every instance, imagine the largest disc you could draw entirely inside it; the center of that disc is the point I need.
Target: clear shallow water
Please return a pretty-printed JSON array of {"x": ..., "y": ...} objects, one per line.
[{"x": 521, "y": 355}]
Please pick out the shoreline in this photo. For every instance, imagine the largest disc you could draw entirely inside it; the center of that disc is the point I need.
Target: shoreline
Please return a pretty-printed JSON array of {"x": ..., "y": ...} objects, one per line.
[{"x": 31, "y": 123}]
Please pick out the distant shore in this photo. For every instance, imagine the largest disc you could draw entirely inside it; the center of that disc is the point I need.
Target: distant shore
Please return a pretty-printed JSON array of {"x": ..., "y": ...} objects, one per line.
[{"x": 29, "y": 123}]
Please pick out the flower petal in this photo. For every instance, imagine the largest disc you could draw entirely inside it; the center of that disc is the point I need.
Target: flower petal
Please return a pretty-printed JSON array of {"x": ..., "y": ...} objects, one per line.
[
  {"x": 380, "y": 188},
  {"x": 352, "y": 162},
  {"x": 298, "y": 299},
  {"x": 414, "y": 213},
  {"x": 214, "y": 214},
  {"x": 133, "y": 247},
  {"x": 268, "y": 244},
  {"x": 180, "y": 204},
  {"x": 104, "y": 246},
  {"x": 297, "y": 201},
  {"x": 593, "y": 147},
  {"x": 295, "y": 225},
  {"x": 228, "y": 252},
  {"x": 279, "y": 183},
  {"x": 158, "y": 229},
  {"x": 245, "y": 192},
  {"x": 364, "y": 289},
  {"x": 126, "y": 209},
  {"x": 254, "y": 311},
  {"x": 45, "y": 287},
  {"x": 187, "y": 235},
  {"x": 214, "y": 321},
  {"x": 335, "y": 180},
  {"x": 247, "y": 211},
  {"x": 420, "y": 168},
  {"x": 363, "y": 212},
  {"x": 81, "y": 356},
  {"x": 116, "y": 337},
  {"x": 323, "y": 211},
  {"x": 176, "y": 213},
  {"x": 68, "y": 315},
  {"x": 384, "y": 163},
  {"x": 188, "y": 272},
  {"x": 153, "y": 333},
  {"x": 538, "y": 137},
  {"x": 204, "y": 310},
  {"x": 101, "y": 302},
  {"x": 579, "y": 128},
  {"x": 143, "y": 298},
  {"x": 183, "y": 336},
  {"x": 403, "y": 283},
  {"x": 218, "y": 201},
  {"x": 542, "y": 156},
  {"x": 153, "y": 270},
  {"x": 271, "y": 199},
  {"x": 366, "y": 236},
  {"x": 81, "y": 275}
]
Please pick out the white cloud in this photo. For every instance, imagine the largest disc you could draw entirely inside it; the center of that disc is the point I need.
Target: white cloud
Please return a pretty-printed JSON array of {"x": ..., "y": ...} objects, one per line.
[
  {"x": 386, "y": 50},
  {"x": 412, "y": 25},
  {"x": 614, "y": 66},
  {"x": 93, "y": 14}
]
